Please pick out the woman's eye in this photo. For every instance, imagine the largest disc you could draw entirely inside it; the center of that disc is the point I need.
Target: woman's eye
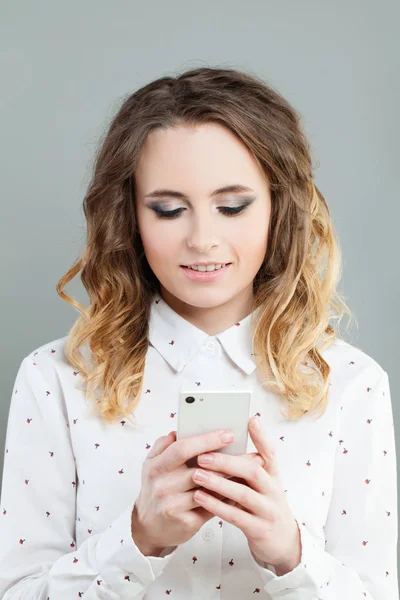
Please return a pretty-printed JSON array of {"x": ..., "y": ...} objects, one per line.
[
  {"x": 232, "y": 210},
  {"x": 168, "y": 214},
  {"x": 225, "y": 210}
]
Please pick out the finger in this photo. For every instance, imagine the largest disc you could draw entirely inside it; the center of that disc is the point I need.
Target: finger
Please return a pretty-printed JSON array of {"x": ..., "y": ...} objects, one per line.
[
  {"x": 183, "y": 449},
  {"x": 184, "y": 502},
  {"x": 264, "y": 446},
  {"x": 241, "y": 467},
  {"x": 257, "y": 457},
  {"x": 247, "y": 497},
  {"x": 249, "y": 456},
  {"x": 220, "y": 473},
  {"x": 179, "y": 482},
  {"x": 161, "y": 444},
  {"x": 247, "y": 522},
  {"x": 254, "y": 456}
]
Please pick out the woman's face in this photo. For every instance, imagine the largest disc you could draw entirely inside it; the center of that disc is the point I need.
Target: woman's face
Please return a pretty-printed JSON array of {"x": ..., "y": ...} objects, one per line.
[{"x": 180, "y": 171}]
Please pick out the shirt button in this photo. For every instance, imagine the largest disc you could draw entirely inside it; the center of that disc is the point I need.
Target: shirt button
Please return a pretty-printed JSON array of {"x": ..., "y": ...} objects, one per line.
[
  {"x": 210, "y": 345},
  {"x": 208, "y": 535}
]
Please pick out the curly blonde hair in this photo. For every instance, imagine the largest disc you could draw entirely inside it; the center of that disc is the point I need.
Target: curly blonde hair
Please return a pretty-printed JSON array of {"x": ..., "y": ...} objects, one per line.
[{"x": 295, "y": 289}]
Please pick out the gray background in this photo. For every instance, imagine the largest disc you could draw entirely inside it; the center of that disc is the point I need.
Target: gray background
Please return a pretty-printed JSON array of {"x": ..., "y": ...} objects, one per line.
[{"x": 65, "y": 68}]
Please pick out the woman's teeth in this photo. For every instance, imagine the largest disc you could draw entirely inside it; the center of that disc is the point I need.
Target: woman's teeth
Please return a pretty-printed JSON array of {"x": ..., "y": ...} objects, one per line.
[{"x": 208, "y": 267}]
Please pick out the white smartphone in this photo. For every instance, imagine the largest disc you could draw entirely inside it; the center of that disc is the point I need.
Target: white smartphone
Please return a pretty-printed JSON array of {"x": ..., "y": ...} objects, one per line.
[{"x": 203, "y": 411}]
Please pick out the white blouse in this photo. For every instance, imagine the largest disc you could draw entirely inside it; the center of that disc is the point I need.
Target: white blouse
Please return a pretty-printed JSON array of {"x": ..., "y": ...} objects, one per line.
[{"x": 70, "y": 480}]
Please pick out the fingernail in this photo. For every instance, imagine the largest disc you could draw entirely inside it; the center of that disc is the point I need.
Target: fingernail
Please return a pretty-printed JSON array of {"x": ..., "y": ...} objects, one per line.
[
  {"x": 226, "y": 437},
  {"x": 256, "y": 424},
  {"x": 200, "y": 476},
  {"x": 206, "y": 458}
]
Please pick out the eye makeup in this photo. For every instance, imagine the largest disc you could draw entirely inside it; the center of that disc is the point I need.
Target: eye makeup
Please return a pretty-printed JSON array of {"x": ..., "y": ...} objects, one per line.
[{"x": 225, "y": 210}]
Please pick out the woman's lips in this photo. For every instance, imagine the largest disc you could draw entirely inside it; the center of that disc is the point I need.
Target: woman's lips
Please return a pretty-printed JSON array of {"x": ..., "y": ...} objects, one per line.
[{"x": 205, "y": 275}]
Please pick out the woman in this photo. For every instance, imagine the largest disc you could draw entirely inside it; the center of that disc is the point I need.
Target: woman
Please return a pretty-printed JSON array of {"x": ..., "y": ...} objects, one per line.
[{"x": 211, "y": 261}]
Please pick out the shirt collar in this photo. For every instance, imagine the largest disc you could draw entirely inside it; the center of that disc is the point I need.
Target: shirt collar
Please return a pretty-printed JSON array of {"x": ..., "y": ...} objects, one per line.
[{"x": 177, "y": 340}]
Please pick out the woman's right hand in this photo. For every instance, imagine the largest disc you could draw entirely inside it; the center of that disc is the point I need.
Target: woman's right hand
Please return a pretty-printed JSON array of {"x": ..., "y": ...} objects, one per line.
[{"x": 165, "y": 513}]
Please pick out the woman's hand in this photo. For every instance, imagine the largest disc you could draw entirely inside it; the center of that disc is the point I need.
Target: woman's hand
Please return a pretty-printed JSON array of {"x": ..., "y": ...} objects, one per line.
[
  {"x": 260, "y": 509},
  {"x": 165, "y": 513}
]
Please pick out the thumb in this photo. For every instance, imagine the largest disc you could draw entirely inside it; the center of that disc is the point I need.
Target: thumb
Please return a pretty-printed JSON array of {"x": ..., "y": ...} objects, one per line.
[{"x": 161, "y": 444}]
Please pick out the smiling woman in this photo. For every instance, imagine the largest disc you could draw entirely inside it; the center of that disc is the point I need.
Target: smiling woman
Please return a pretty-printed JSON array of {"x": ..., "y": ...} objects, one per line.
[
  {"x": 209, "y": 167},
  {"x": 218, "y": 227},
  {"x": 211, "y": 262}
]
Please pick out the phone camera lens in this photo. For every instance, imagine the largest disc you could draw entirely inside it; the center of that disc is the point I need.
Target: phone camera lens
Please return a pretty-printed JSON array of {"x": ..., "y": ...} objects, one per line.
[{"x": 189, "y": 399}]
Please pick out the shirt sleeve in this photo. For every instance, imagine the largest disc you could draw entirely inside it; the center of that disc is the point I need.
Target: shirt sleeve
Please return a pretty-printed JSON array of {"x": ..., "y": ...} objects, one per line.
[
  {"x": 359, "y": 559},
  {"x": 38, "y": 555}
]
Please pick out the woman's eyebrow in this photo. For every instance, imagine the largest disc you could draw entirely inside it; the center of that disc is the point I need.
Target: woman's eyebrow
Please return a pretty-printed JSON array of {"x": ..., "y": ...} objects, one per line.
[{"x": 232, "y": 189}]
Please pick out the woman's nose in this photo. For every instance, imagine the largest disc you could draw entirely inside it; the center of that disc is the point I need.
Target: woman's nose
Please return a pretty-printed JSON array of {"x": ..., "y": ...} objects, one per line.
[{"x": 202, "y": 236}]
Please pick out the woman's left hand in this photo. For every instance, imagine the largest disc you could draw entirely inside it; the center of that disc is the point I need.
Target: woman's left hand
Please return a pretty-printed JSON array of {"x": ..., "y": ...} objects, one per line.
[{"x": 260, "y": 509}]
